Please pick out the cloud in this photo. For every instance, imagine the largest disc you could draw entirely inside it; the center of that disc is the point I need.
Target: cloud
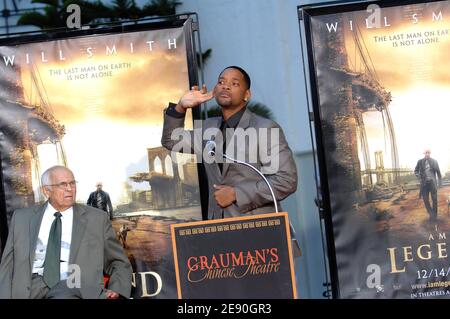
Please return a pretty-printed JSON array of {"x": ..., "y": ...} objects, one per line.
[
  {"x": 147, "y": 89},
  {"x": 137, "y": 92}
]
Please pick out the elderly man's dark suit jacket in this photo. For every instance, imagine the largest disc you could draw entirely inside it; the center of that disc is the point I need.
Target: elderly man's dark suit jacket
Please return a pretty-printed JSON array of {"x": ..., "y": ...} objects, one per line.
[
  {"x": 94, "y": 248},
  {"x": 252, "y": 194}
]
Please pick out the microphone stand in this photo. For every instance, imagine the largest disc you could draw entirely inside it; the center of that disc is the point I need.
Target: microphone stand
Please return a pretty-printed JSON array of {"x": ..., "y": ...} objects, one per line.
[
  {"x": 260, "y": 174},
  {"x": 296, "y": 246}
]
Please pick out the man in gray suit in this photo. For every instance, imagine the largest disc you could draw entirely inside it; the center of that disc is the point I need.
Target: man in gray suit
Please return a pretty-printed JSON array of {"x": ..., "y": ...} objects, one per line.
[
  {"x": 234, "y": 190},
  {"x": 62, "y": 249}
]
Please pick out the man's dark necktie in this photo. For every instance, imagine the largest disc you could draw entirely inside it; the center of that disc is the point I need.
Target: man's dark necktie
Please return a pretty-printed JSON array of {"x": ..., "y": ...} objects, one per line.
[
  {"x": 99, "y": 200},
  {"x": 53, "y": 253},
  {"x": 223, "y": 129}
]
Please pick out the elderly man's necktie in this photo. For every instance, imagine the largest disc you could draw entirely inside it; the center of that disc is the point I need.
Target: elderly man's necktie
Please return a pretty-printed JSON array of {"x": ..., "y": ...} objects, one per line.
[{"x": 53, "y": 253}]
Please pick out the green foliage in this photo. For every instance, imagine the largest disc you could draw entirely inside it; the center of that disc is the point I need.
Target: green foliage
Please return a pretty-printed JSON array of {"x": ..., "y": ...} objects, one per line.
[
  {"x": 54, "y": 13},
  {"x": 205, "y": 56},
  {"x": 160, "y": 8},
  {"x": 261, "y": 109}
]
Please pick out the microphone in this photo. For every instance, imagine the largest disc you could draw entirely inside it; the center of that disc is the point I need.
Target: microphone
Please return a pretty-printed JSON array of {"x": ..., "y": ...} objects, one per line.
[{"x": 211, "y": 148}]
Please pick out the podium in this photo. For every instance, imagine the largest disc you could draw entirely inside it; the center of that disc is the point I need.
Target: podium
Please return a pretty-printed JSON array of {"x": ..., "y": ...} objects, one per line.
[{"x": 235, "y": 258}]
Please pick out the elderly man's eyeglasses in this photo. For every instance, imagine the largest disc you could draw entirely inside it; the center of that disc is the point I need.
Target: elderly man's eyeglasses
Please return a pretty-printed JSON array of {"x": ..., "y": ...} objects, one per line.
[{"x": 65, "y": 185}]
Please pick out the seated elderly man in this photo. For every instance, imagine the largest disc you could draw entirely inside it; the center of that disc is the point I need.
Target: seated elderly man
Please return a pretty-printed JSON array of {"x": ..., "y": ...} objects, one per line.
[{"x": 62, "y": 249}]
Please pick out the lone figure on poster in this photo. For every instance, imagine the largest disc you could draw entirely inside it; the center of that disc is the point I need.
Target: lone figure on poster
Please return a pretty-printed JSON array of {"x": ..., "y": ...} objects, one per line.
[
  {"x": 427, "y": 169},
  {"x": 123, "y": 232},
  {"x": 101, "y": 200}
]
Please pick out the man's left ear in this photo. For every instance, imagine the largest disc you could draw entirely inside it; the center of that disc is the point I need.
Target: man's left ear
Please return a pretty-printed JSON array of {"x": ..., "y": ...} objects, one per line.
[
  {"x": 45, "y": 191},
  {"x": 248, "y": 95}
]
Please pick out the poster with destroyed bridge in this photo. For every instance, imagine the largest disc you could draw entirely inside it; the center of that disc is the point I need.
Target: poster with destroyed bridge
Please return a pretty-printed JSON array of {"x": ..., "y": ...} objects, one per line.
[
  {"x": 381, "y": 85},
  {"x": 95, "y": 104}
]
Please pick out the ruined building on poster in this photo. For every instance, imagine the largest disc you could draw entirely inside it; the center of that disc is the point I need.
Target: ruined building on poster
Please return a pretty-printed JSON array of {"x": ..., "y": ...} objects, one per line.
[
  {"x": 23, "y": 126},
  {"x": 168, "y": 188}
]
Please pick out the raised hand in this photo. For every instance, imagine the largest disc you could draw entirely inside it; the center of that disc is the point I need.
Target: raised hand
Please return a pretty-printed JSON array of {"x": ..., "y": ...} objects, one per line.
[{"x": 194, "y": 98}]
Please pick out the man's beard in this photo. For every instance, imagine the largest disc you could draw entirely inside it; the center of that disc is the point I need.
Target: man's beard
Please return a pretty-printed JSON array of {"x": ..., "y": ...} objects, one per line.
[{"x": 224, "y": 103}]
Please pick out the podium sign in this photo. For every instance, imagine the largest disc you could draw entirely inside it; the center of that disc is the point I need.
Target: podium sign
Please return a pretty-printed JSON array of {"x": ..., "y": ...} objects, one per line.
[{"x": 244, "y": 257}]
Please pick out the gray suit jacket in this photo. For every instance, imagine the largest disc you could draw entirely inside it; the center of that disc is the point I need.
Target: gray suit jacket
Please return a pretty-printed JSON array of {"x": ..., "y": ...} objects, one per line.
[
  {"x": 94, "y": 248},
  {"x": 252, "y": 194}
]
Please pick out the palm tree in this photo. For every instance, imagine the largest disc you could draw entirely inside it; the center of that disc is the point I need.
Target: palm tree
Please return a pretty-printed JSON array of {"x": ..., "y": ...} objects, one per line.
[
  {"x": 54, "y": 13},
  {"x": 160, "y": 8},
  {"x": 124, "y": 9}
]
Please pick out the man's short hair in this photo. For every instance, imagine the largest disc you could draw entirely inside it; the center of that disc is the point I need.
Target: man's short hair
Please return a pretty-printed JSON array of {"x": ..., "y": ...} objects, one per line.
[
  {"x": 46, "y": 178},
  {"x": 243, "y": 72}
]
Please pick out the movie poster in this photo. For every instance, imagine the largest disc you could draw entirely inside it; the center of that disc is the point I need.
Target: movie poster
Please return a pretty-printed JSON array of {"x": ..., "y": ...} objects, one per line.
[
  {"x": 247, "y": 257},
  {"x": 382, "y": 85},
  {"x": 95, "y": 104}
]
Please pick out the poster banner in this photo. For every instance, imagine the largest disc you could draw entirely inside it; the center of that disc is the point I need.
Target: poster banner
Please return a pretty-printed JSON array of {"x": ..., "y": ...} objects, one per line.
[
  {"x": 244, "y": 257},
  {"x": 380, "y": 85},
  {"x": 95, "y": 104}
]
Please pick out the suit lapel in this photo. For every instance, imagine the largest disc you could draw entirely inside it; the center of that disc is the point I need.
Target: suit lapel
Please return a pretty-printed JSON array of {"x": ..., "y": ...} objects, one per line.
[
  {"x": 243, "y": 123},
  {"x": 35, "y": 225},
  {"x": 78, "y": 228}
]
